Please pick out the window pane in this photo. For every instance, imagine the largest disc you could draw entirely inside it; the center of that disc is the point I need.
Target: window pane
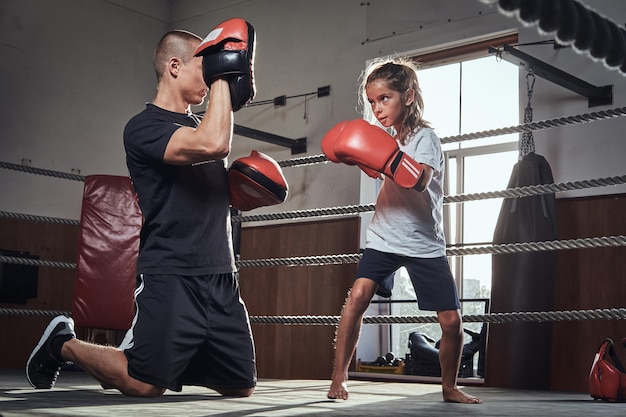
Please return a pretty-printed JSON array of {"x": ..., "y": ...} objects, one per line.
[
  {"x": 490, "y": 99},
  {"x": 481, "y": 216},
  {"x": 441, "y": 91},
  {"x": 490, "y": 172},
  {"x": 450, "y": 210}
]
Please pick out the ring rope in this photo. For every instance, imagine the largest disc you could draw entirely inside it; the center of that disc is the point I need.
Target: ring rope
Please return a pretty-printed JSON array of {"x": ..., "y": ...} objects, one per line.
[
  {"x": 507, "y": 248},
  {"x": 31, "y": 312},
  {"x": 300, "y": 214},
  {"x": 304, "y": 160},
  {"x": 541, "y": 316},
  {"x": 302, "y": 260},
  {"x": 526, "y": 127},
  {"x": 41, "y": 171},
  {"x": 43, "y": 219},
  {"x": 35, "y": 262},
  {"x": 496, "y": 249},
  {"x": 540, "y": 125},
  {"x": 530, "y": 190},
  {"x": 309, "y": 160},
  {"x": 524, "y": 191},
  {"x": 528, "y": 316}
]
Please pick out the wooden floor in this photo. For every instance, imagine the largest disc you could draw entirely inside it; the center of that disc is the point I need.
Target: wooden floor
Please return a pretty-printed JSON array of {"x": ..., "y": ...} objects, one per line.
[{"x": 77, "y": 394}]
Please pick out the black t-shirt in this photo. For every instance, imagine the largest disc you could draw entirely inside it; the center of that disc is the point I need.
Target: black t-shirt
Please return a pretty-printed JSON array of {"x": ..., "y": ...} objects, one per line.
[{"x": 186, "y": 209}]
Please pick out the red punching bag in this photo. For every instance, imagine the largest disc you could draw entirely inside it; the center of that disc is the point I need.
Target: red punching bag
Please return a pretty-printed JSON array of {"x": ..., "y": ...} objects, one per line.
[{"x": 108, "y": 245}]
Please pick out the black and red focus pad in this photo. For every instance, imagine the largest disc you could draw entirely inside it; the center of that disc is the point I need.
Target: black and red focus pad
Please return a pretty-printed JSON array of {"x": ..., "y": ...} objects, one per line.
[{"x": 256, "y": 181}]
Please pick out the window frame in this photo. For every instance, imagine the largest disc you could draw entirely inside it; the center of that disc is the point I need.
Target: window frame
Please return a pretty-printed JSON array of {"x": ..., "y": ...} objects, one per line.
[{"x": 447, "y": 56}]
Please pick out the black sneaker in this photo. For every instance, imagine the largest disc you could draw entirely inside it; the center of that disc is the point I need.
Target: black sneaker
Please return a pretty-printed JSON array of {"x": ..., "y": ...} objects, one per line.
[{"x": 43, "y": 366}]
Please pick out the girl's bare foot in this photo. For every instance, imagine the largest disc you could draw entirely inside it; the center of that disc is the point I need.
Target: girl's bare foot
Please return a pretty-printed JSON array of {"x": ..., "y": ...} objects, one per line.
[
  {"x": 338, "y": 391},
  {"x": 457, "y": 396}
]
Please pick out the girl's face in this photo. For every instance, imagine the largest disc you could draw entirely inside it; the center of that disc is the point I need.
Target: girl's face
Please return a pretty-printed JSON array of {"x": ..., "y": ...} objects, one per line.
[{"x": 387, "y": 105}]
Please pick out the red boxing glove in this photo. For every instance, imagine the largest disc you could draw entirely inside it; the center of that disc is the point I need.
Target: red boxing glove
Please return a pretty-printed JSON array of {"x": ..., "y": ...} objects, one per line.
[
  {"x": 228, "y": 52},
  {"x": 607, "y": 381},
  {"x": 256, "y": 181},
  {"x": 328, "y": 147},
  {"x": 329, "y": 140},
  {"x": 359, "y": 143}
]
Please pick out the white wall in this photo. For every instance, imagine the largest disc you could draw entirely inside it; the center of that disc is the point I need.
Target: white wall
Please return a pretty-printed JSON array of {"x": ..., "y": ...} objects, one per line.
[{"x": 74, "y": 71}]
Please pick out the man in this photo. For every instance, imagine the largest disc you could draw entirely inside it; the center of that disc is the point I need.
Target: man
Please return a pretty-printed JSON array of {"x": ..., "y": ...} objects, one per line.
[{"x": 191, "y": 326}]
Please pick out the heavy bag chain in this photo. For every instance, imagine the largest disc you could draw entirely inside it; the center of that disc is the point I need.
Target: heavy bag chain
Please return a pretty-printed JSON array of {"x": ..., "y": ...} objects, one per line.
[{"x": 527, "y": 144}]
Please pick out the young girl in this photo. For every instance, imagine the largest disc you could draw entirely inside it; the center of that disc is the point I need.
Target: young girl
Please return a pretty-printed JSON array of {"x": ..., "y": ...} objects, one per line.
[{"x": 406, "y": 229}]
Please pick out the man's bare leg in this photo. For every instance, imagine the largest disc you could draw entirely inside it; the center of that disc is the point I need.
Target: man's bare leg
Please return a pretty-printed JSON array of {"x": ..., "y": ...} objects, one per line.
[
  {"x": 348, "y": 333},
  {"x": 109, "y": 366},
  {"x": 450, "y": 350}
]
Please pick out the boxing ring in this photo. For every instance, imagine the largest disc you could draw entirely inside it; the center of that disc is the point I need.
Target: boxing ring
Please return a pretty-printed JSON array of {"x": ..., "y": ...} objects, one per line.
[
  {"x": 463, "y": 250},
  {"x": 78, "y": 394}
]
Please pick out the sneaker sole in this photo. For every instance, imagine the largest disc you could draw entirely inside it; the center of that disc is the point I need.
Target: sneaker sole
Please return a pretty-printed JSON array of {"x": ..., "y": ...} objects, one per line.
[{"x": 45, "y": 336}]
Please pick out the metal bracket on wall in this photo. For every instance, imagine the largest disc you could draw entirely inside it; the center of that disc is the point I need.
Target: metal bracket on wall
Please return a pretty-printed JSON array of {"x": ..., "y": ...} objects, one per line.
[
  {"x": 296, "y": 145},
  {"x": 596, "y": 96}
]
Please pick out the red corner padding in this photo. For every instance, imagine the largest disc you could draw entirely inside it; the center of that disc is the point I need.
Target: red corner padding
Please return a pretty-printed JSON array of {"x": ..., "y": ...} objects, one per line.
[{"x": 108, "y": 244}]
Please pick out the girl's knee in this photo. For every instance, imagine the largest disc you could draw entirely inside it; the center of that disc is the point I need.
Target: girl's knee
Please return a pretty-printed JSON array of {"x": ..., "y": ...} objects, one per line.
[
  {"x": 362, "y": 290},
  {"x": 450, "y": 321}
]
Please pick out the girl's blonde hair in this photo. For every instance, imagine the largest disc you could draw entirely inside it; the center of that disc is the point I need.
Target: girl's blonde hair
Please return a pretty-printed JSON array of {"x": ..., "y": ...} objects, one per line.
[{"x": 400, "y": 74}]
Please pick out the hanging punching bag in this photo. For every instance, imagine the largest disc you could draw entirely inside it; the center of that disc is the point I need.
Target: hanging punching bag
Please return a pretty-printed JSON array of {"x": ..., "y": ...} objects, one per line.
[{"x": 519, "y": 353}]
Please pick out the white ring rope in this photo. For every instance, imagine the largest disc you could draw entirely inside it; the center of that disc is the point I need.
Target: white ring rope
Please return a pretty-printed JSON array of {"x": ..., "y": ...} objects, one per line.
[
  {"x": 525, "y": 191},
  {"x": 529, "y": 316},
  {"x": 43, "y": 219},
  {"x": 41, "y": 171},
  {"x": 540, "y": 125},
  {"x": 36, "y": 262},
  {"x": 527, "y": 127},
  {"x": 507, "y": 248},
  {"x": 308, "y": 160}
]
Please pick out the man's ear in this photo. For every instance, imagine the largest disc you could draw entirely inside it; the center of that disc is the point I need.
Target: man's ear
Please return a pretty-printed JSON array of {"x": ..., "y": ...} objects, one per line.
[{"x": 173, "y": 66}]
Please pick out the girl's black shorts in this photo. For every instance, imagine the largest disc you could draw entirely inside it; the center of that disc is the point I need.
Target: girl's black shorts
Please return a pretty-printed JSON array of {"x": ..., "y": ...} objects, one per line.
[{"x": 431, "y": 277}]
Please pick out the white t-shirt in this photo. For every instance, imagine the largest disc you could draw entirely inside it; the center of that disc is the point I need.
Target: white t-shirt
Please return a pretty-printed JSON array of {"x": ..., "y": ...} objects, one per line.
[{"x": 407, "y": 222}]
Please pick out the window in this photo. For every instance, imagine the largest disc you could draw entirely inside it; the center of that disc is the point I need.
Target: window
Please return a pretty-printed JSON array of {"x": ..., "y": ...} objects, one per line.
[{"x": 465, "y": 91}]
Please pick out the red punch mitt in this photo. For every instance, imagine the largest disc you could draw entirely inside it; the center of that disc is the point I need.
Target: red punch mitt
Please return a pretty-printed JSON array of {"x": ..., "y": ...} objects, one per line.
[
  {"x": 228, "y": 52},
  {"x": 256, "y": 181}
]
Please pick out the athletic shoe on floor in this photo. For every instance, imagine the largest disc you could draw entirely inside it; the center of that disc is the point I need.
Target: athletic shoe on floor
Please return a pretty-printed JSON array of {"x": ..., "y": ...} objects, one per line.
[{"x": 44, "y": 364}]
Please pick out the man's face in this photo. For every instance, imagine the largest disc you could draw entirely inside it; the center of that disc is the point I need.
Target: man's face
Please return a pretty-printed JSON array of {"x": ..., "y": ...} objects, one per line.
[{"x": 192, "y": 83}]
